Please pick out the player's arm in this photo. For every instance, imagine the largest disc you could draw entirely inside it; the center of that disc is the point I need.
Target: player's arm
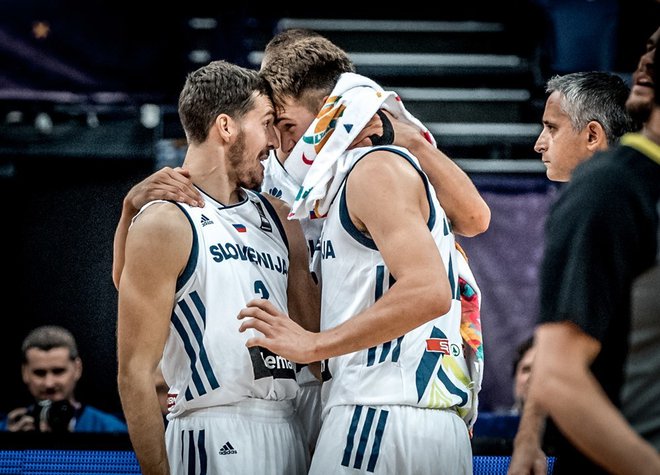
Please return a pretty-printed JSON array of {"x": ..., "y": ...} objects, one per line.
[
  {"x": 466, "y": 209},
  {"x": 165, "y": 184},
  {"x": 157, "y": 248},
  {"x": 302, "y": 292},
  {"x": 563, "y": 385},
  {"x": 387, "y": 198}
]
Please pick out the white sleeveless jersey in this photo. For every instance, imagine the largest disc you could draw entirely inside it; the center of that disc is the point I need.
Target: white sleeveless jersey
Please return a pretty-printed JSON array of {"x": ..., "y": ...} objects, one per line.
[
  {"x": 424, "y": 368},
  {"x": 280, "y": 184},
  {"x": 239, "y": 253}
]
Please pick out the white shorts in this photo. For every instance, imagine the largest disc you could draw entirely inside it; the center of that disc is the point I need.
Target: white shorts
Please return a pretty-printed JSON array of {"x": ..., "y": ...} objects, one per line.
[
  {"x": 308, "y": 409},
  {"x": 392, "y": 440},
  {"x": 253, "y": 436}
]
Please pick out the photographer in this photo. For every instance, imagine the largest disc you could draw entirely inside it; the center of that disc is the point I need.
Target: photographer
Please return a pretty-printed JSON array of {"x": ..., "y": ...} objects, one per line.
[{"x": 51, "y": 369}]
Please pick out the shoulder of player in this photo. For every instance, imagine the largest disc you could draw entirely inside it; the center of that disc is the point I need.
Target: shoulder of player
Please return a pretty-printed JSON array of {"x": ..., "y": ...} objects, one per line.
[
  {"x": 384, "y": 167},
  {"x": 160, "y": 217},
  {"x": 279, "y": 205}
]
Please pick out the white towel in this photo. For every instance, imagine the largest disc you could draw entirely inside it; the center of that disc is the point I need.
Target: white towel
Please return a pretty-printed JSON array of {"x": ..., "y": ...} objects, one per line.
[{"x": 318, "y": 161}]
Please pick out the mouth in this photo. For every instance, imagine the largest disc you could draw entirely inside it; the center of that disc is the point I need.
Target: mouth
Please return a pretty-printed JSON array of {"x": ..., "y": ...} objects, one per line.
[{"x": 644, "y": 81}]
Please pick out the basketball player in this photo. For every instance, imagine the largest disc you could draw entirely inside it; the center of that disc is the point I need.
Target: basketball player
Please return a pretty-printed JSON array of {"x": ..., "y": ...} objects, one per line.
[
  {"x": 468, "y": 212},
  {"x": 396, "y": 380},
  {"x": 188, "y": 271}
]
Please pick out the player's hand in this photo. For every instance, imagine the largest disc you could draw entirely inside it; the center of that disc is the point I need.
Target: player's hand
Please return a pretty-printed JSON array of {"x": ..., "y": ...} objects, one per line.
[
  {"x": 281, "y": 335},
  {"x": 380, "y": 130},
  {"x": 166, "y": 184}
]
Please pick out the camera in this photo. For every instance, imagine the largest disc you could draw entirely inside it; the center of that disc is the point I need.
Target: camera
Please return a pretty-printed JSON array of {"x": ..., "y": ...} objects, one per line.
[{"x": 57, "y": 414}]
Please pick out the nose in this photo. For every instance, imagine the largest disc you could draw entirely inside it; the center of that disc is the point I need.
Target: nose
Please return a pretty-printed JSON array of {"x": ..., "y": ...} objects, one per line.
[
  {"x": 287, "y": 142},
  {"x": 540, "y": 145},
  {"x": 50, "y": 380},
  {"x": 273, "y": 138}
]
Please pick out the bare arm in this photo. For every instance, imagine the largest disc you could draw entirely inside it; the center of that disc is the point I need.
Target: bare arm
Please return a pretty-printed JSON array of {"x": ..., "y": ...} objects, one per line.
[
  {"x": 157, "y": 248},
  {"x": 387, "y": 198},
  {"x": 302, "y": 292},
  {"x": 528, "y": 456},
  {"x": 166, "y": 184},
  {"x": 465, "y": 208},
  {"x": 563, "y": 385}
]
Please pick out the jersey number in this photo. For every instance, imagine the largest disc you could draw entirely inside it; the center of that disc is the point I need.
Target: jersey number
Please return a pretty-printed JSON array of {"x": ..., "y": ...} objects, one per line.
[{"x": 260, "y": 288}]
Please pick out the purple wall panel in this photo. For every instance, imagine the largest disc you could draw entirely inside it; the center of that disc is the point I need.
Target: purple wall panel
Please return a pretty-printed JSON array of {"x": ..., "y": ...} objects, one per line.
[{"x": 505, "y": 262}]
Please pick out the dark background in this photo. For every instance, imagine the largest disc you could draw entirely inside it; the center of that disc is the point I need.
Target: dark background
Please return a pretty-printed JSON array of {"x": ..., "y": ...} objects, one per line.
[{"x": 61, "y": 191}]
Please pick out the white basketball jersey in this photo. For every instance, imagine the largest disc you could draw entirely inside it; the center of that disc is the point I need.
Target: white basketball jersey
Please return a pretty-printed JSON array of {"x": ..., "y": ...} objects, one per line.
[
  {"x": 239, "y": 253},
  {"x": 280, "y": 184},
  {"x": 424, "y": 368}
]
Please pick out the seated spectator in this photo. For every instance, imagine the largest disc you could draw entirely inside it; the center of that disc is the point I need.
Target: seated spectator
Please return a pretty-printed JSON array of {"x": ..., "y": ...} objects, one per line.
[
  {"x": 522, "y": 367},
  {"x": 51, "y": 370}
]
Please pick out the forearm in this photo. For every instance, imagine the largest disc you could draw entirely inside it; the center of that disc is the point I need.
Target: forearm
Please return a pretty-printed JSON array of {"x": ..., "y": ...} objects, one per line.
[
  {"x": 599, "y": 430},
  {"x": 532, "y": 424},
  {"x": 145, "y": 425},
  {"x": 119, "y": 243},
  {"x": 465, "y": 208},
  {"x": 528, "y": 456}
]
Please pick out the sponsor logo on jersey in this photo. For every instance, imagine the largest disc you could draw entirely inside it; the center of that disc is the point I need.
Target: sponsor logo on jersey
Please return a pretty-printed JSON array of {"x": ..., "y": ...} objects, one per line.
[
  {"x": 227, "y": 449},
  {"x": 432, "y": 376},
  {"x": 171, "y": 399},
  {"x": 205, "y": 221},
  {"x": 439, "y": 345},
  {"x": 266, "y": 364}
]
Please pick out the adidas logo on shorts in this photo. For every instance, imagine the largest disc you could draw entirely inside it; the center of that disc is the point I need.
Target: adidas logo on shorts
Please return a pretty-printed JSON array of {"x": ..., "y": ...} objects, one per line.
[{"x": 228, "y": 449}]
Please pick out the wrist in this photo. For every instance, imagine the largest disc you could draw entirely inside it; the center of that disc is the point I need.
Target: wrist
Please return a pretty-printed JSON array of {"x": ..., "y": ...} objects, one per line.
[{"x": 128, "y": 208}]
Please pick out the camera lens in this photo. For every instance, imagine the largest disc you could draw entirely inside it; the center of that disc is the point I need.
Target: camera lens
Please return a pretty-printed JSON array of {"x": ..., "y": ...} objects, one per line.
[{"x": 58, "y": 415}]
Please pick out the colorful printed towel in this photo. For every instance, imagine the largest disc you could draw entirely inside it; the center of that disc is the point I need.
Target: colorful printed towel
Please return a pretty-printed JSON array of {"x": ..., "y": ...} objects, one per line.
[
  {"x": 471, "y": 331},
  {"x": 317, "y": 161}
]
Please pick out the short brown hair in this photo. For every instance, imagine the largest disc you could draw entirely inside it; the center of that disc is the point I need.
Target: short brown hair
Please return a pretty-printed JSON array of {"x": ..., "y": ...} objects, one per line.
[
  {"x": 283, "y": 39},
  {"x": 306, "y": 70},
  {"x": 217, "y": 88}
]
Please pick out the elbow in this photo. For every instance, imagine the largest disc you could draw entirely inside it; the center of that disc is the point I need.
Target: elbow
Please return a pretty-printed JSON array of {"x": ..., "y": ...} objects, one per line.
[
  {"x": 476, "y": 224},
  {"x": 482, "y": 220},
  {"x": 441, "y": 303}
]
